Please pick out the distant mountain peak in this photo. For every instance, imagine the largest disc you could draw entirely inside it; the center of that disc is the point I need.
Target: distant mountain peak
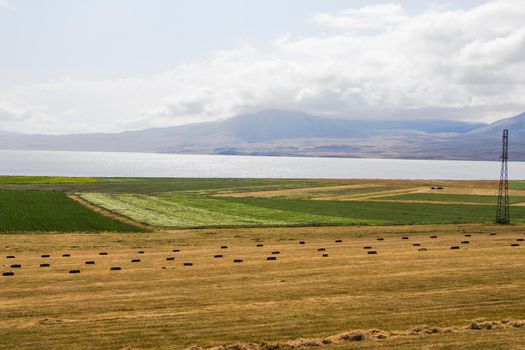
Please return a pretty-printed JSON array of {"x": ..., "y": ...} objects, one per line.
[
  {"x": 515, "y": 124},
  {"x": 294, "y": 133}
]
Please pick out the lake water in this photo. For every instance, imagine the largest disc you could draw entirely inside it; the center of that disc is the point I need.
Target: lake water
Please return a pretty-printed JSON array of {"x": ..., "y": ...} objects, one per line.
[{"x": 110, "y": 164}]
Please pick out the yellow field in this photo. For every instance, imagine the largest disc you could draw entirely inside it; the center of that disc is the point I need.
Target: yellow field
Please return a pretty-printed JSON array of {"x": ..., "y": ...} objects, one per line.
[
  {"x": 162, "y": 304},
  {"x": 379, "y": 190}
]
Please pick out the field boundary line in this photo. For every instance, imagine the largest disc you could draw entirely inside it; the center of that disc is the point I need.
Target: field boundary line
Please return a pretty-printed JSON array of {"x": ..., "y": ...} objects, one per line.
[
  {"x": 364, "y": 196},
  {"x": 289, "y": 191},
  {"x": 428, "y": 202},
  {"x": 108, "y": 213}
]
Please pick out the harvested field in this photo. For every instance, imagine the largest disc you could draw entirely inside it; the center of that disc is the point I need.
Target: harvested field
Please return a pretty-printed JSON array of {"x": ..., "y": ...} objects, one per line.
[
  {"x": 452, "y": 198},
  {"x": 301, "y": 295},
  {"x": 308, "y": 192},
  {"x": 359, "y": 336}
]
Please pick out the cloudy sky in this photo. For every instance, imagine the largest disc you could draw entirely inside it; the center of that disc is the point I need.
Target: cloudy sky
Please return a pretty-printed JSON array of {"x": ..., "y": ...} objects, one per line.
[{"x": 109, "y": 65}]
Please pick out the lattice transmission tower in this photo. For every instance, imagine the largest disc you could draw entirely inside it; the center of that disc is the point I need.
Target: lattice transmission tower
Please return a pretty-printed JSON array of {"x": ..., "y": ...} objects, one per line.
[{"x": 502, "y": 213}]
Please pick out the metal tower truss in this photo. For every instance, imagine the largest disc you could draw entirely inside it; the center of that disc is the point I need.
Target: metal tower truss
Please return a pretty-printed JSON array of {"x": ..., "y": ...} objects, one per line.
[{"x": 502, "y": 213}]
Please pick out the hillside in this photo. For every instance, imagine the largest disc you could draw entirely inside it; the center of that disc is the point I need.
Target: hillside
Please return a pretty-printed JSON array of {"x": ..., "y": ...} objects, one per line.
[{"x": 275, "y": 132}]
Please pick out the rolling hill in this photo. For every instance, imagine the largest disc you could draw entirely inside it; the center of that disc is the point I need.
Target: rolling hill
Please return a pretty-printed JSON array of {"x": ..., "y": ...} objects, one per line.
[{"x": 285, "y": 133}]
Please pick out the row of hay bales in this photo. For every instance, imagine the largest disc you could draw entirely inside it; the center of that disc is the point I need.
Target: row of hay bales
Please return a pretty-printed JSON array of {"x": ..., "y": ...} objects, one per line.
[{"x": 273, "y": 256}]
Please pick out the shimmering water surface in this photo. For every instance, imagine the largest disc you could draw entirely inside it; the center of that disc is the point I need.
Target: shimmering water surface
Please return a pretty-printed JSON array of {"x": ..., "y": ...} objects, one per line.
[{"x": 110, "y": 164}]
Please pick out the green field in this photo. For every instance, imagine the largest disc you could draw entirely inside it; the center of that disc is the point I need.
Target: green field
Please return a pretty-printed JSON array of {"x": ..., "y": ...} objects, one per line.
[
  {"x": 387, "y": 213},
  {"x": 184, "y": 211},
  {"x": 451, "y": 198},
  {"x": 154, "y": 185},
  {"x": 203, "y": 203},
  {"x": 517, "y": 185},
  {"x": 51, "y": 211}
]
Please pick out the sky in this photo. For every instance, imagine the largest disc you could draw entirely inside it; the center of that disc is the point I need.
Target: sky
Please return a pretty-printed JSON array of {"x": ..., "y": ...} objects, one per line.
[{"x": 111, "y": 65}]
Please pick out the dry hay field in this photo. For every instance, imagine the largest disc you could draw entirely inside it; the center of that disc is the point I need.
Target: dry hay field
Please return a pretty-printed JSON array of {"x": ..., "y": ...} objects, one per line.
[
  {"x": 414, "y": 293},
  {"x": 259, "y": 264}
]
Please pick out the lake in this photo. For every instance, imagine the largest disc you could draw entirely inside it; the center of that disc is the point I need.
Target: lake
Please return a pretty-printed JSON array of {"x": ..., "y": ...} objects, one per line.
[{"x": 112, "y": 164}]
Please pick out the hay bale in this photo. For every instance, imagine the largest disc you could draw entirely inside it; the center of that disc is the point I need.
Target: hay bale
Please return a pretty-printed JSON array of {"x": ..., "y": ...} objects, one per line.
[
  {"x": 45, "y": 256},
  {"x": 10, "y": 257},
  {"x": 115, "y": 268},
  {"x": 176, "y": 250},
  {"x": 188, "y": 264},
  {"x": 276, "y": 252},
  {"x": 44, "y": 265},
  {"x": 140, "y": 252},
  {"x": 170, "y": 258},
  {"x": 66, "y": 255},
  {"x": 492, "y": 234},
  {"x": 321, "y": 249},
  {"x": 135, "y": 260},
  {"x": 237, "y": 261},
  {"x": 8, "y": 273},
  {"x": 16, "y": 266},
  {"x": 416, "y": 244},
  {"x": 218, "y": 256},
  {"x": 74, "y": 271},
  {"x": 520, "y": 240},
  {"x": 371, "y": 252},
  {"x": 404, "y": 237},
  {"x": 90, "y": 262},
  {"x": 103, "y": 253},
  {"x": 302, "y": 242},
  {"x": 260, "y": 245},
  {"x": 422, "y": 250},
  {"x": 367, "y": 247},
  {"x": 454, "y": 247},
  {"x": 338, "y": 241},
  {"x": 380, "y": 239},
  {"x": 224, "y": 247},
  {"x": 465, "y": 242},
  {"x": 271, "y": 258},
  {"x": 468, "y": 235},
  {"x": 515, "y": 245},
  {"x": 433, "y": 237},
  {"x": 325, "y": 255}
]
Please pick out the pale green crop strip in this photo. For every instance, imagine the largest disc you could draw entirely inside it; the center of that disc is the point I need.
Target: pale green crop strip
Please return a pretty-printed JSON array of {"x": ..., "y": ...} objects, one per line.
[{"x": 182, "y": 211}]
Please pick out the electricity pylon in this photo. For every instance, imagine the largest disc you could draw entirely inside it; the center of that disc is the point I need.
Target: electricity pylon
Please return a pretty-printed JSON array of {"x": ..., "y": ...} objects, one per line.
[{"x": 502, "y": 213}]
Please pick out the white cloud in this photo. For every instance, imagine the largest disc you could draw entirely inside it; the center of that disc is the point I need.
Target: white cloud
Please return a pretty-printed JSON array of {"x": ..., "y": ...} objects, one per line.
[
  {"x": 4, "y": 3},
  {"x": 368, "y": 17},
  {"x": 439, "y": 64}
]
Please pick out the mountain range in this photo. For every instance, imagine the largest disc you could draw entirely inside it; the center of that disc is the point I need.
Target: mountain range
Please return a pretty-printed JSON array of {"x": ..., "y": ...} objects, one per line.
[{"x": 287, "y": 133}]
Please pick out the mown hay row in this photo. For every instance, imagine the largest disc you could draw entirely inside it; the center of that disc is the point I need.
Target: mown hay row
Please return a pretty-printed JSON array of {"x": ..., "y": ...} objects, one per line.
[{"x": 370, "y": 335}]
